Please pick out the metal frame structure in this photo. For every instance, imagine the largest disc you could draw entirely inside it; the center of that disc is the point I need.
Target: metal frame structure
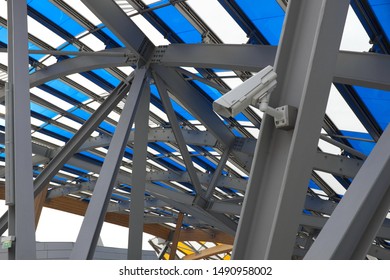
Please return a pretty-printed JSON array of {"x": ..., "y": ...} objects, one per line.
[{"x": 149, "y": 153}]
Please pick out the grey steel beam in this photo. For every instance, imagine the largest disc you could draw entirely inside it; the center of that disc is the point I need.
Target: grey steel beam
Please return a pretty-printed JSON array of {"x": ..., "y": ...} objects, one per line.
[
  {"x": 136, "y": 223},
  {"x": 19, "y": 184},
  {"x": 217, "y": 174},
  {"x": 122, "y": 26},
  {"x": 352, "y": 68},
  {"x": 78, "y": 65},
  {"x": 90, "y": 229},
  {"x": 235, "y": 57},
  {"x": 283, "y": 160},
  {"x": 162, "y": 89},
  {"x": 198, "y": 106},
  {"x": 337, "y": 165},
  {"x": 192, "y": 137},
  {"x": 356, "y": 220},
  {"x": 343, "y": 147},
  {"x": 363, "y": 69}
]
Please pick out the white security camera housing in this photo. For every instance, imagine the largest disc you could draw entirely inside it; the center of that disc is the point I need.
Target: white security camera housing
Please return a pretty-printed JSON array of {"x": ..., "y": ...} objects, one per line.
[{"x": 248, "y": 93}]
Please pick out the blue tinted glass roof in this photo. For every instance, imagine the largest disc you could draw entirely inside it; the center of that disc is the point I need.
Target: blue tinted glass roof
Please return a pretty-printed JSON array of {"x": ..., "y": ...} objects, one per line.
[
  {"x": 56, "y": 15},
  {"x": 266, "y": 15},
  {"x": 381, "y": 9},
  {"x": 178, "y": 23},
  {"x": 378, "y": 102}
]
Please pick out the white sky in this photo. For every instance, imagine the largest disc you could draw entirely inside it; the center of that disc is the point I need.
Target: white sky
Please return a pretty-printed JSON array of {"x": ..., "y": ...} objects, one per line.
[{"x": 60, "y": 226}]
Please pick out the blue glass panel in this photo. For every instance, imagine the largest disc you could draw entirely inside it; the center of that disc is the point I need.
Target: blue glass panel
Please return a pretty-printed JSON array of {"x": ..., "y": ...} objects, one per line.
[
  {"x": 64, "y": 88},
  {"x": 90, "y": 155},
  {"x": 183, "y": 112},
  {"x": 42, "y": 110},
  {"x": 178, "y": 23},
  {"x": 236, "y": 132},
  {"x": 112, "y": 35},
  {"x": 58, "y": 131},
  {"x": 107, "y": 76},
  {"x": 361, "y": 146},
  {"x": 381, "y": 9},
  {"x": 313, "y": 185},
  {"x": 76, "y": 168},
  {"x": 49, "y": 10},
  {"x": 81, "y": 114},
  {"x": 162, "y": 147},
  {"x": 107, "y": 127},
  {"x": 129, "y": 151},
  {"x": 377, "y": 102},
  {"x": 212, "y": 92},
  {"x": 266, "y": 15},
  {"x": 31, "y": 46},
  {"x": 3, "y": 35}
]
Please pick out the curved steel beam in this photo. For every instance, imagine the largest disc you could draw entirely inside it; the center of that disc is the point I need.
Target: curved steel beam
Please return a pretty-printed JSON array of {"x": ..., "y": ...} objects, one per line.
[{"x": 81, "y": 64}]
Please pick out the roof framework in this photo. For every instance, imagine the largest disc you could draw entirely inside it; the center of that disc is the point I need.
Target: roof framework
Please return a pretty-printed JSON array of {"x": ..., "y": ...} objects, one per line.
[{"x": 122, "y": 126}]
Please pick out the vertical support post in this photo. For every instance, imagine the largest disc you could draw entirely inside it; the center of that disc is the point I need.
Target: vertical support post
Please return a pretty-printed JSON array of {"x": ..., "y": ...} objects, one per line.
[
  {"x": 137, "y": 204},
  {"x": 353, "y": 225},
  {"x": 283, "y": 160},
  {"x": 162, "y": 89},
  {"x": 176, "y": 236},
  {"x": 19, "y": 181},
  {"x": 93, "y": 220}
]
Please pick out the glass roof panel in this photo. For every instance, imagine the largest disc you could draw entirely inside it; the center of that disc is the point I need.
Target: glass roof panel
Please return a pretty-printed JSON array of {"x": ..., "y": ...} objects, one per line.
[
  {"x": 377, "y": 102},
  {"x": 266, "y": 15},
  {"x": 178, "y": 23},
  {"x": 53, "y": 13},
  {"x": 381, "y": 9}
]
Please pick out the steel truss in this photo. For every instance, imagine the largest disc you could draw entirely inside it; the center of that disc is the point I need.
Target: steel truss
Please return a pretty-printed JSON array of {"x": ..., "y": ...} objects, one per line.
[{"x": 267, "y": 209}]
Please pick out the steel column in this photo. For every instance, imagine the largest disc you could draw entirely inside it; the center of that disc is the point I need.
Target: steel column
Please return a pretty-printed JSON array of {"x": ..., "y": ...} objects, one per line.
[
  {"x": 137, "y": 199},
  {"x": 93, "y": 221},
  {"x": 357, "y": 219},
  {"x": 19, "y": 183},
  {"x": 283, "y": 160}
]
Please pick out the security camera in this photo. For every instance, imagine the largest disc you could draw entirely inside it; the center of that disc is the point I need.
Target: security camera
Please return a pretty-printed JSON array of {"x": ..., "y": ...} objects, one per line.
[
  {"x": 248, "y": 93},
  {"x": 256, "y": 92}
]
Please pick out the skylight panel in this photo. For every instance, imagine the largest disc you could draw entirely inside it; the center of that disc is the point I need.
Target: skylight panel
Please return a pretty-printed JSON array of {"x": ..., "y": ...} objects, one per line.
[
  {"x": 126, "y": 7},
  {"x": 341, "y": 114},
  {"x": 36, "y": 122},
  {"x": 87, "y": 84},
  {"x": 332, "y": 182},
  {"x": 159, "y": 166},
  {"x": 3, "y": 9},
  {"x": 158, "y": 112},
  {"x": 49, "y": 139},
  {"x": 126, "y": 69},
  {"x": 150, "y": 31},
  {"x": 355, "y": 38},
  {"x": 3, "y": 76},
  {"x": 41, "y": 32},
  {"x": 327, "y": 147},
  {"x": 216, "y": 17},
  {"x": 92, "y": 42},
  {"x": 84, "y": 11},
  {"x": 51, "y": 98},
  {"x": 4, "y": 58},
  {"x": 69, "y": 122},
  {"x": 49, "y": 60},
  {"x": 236, "y": 169}
]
